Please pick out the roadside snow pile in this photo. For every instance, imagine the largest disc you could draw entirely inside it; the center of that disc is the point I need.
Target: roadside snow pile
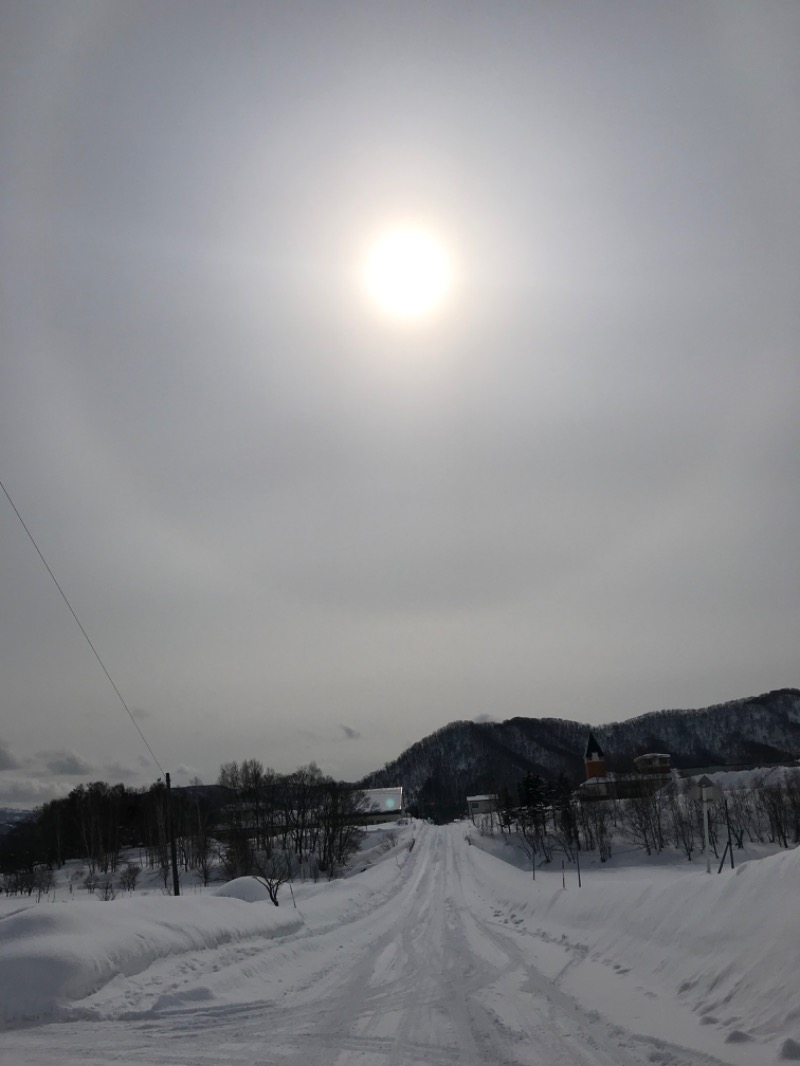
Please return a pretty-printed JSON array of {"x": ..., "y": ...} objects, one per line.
[
  {"x": 380, "y": 843},
  {"x": 55, "y": 954},
  {"x": 246, "y": 889},
  {"x": 725, "y": 946},
  {"x": 728, "y": 944}
]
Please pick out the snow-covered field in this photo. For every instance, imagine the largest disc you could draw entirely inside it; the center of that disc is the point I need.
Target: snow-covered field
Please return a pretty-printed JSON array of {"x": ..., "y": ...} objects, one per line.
[{"x": 438, "y": 954}]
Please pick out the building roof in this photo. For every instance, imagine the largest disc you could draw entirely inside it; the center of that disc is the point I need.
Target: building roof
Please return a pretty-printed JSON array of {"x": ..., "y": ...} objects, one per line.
[{"x": 593, "y": 749}]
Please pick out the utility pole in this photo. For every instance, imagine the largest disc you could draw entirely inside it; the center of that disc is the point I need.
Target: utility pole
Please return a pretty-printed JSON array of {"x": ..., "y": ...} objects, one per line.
[{"x": 176, "y": 887}]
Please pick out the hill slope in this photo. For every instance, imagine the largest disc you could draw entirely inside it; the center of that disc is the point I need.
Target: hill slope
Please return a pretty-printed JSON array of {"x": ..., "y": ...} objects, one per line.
[{"x": 467, "y": 757}]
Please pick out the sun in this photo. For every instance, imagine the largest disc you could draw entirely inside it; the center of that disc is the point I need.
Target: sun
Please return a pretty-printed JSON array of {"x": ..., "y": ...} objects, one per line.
[{"x": 408, "y": 273}]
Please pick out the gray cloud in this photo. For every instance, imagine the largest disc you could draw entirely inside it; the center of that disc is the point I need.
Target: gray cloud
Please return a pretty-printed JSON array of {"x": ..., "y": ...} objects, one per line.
[
  {"x": 119, "y": 771},
  {"x": 185, "y": 773},
  {"x": 26, "y": 792},
  {"x": 8, "y": 760},
  {"x": 66, "y": 762}
]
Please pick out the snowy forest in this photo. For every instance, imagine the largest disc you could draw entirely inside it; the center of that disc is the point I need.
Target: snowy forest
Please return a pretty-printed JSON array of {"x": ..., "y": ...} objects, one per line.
[
  {"x": 253, "y": 822},
  {"x": 547, "y": 819},
  {"x": 304, "y": 825}
]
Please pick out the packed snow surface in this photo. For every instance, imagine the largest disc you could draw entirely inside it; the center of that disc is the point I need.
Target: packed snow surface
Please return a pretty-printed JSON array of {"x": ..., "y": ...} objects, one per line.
[{"x": 440, "y": 953}]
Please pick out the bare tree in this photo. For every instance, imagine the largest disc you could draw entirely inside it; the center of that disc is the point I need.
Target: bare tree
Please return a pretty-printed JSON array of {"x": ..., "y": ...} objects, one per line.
[
  {"x": 339, "y": 836},
  {"x": 680, "y": 817},
  {"x": 644, "y": 812},
  {"x": 791, "y": 784},
  {"x": 272, "y": 871},
  {"x": 595, "y": 818},
  {"x": 42, "y": 880},
  {"x": 529, "y": 836},
  {"x": 129, "y": 876},
  {"x": 743, "y": 816},
  {"x": 773, "y": 801}
]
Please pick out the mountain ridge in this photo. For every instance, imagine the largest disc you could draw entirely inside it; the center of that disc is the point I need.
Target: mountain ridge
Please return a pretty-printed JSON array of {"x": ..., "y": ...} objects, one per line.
[{"x": 439, "y": 771}]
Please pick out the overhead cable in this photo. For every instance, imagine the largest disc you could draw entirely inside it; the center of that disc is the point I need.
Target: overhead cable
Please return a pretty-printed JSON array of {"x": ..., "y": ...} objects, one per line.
[{"x": 80, "y": 626}]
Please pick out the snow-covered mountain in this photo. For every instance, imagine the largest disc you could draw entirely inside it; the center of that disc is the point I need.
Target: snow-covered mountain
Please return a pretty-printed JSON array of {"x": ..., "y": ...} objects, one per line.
[{"x": 464, "y": 757}]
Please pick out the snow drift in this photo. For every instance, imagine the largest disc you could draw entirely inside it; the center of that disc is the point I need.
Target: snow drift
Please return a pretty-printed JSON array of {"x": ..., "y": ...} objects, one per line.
[{"x": 54, "y": 954}]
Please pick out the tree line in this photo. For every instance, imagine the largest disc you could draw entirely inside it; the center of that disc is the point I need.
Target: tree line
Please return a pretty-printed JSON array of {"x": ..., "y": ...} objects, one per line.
[
  {"x": 254, "y": 821},
  {"x": 276, "y": 826},
  {"x": 545, "y": 817}
]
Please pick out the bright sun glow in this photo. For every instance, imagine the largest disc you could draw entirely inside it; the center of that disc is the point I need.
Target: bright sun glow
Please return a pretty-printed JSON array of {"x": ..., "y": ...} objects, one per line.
[{"x": 408, "y": 273}]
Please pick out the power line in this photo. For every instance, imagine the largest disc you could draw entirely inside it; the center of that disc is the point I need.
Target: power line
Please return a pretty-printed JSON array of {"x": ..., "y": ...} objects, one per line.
[{"x": 80, "y": 626}]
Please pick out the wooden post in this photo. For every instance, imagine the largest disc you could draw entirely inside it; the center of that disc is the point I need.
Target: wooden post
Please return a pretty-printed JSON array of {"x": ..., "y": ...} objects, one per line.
[
  {"x": 176, "y": 886},
  {"x": 706, "y": 844},
  {"x": 728, "y": 823},
  {"x": 722, "y": 860}
]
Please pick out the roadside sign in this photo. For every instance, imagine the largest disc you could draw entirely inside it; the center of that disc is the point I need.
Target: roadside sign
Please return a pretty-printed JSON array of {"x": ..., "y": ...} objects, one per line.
[{"x": 704, "y": 789}]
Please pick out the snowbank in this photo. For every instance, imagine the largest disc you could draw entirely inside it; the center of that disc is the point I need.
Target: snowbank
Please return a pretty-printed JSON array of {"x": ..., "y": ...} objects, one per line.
[
  {"x": 726, "y": 946},
  {"x": 247, "y": 889},
  {"x": 53, "y": 954}
]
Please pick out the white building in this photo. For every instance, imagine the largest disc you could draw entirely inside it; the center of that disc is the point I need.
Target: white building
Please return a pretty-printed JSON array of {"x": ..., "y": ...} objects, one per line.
[
  {"x": 383, "y": 804},
  {"x": 476, "y": 805}
]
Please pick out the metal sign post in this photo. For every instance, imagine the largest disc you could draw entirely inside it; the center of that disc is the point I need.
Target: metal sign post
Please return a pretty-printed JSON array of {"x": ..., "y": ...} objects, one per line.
[{"x": 706, "y": 790}]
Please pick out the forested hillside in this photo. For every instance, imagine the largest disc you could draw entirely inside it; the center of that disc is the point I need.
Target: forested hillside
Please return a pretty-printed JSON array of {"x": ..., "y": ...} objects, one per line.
[
  {"x": 468, "y": 757},
  {"x": 254, "y": 821}
]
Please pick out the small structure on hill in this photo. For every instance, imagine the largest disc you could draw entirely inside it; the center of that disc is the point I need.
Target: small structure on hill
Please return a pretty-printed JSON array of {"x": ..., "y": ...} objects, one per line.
[
  {"x": 478, "y": 805},
  {"x": 654, "y": 764}
]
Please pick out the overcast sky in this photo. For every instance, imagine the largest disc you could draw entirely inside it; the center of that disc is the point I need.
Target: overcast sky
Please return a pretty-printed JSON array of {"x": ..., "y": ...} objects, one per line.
[{"x": 297, "y": 529}]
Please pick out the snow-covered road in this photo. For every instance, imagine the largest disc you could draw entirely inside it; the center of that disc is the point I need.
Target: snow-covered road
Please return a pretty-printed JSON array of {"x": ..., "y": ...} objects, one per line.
[{"x": 427, "y": 966}]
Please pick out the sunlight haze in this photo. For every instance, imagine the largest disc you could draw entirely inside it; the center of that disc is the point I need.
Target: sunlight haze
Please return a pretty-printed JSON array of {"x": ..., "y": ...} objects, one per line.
[
  {"x": 368, "y": 367},
  {"x": 408, "y": 273}
]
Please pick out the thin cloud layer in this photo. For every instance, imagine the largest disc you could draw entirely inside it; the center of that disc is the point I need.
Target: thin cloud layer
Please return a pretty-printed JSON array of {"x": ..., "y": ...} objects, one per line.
[
  {"x": 8, "y": 760},
  {"x": 572, "y": 493}
]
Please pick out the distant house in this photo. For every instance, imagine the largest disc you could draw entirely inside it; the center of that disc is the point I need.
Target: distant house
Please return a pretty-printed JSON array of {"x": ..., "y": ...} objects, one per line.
[
  {"x": 653, "y": 764},
  {"x": 478, "y": 805},
  {"x": 653, "y": 771},
  {"x": 383, "y": 804}
]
